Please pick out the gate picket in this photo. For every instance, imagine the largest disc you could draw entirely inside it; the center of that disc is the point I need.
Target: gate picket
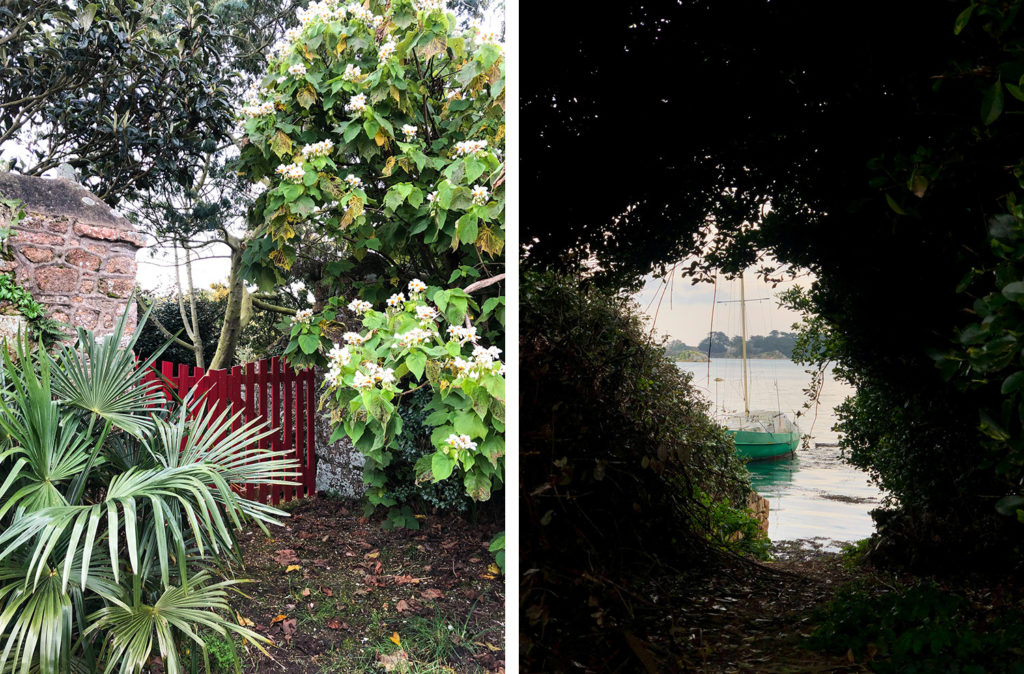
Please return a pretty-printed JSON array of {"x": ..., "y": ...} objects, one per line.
[{"x": 268, "y": 391}]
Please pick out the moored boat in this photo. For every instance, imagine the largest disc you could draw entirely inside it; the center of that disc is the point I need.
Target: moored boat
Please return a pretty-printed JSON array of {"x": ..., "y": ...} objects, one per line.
[{"x": 763, "y": 434}]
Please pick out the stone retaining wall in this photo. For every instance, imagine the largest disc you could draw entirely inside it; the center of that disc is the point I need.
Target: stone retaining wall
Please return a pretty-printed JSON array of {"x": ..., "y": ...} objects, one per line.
[{"x": 72, "y": 252}]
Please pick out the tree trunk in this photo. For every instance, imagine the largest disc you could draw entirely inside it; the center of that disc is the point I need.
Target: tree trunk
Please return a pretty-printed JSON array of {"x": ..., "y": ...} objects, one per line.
[{"x": 231, "y": 330}]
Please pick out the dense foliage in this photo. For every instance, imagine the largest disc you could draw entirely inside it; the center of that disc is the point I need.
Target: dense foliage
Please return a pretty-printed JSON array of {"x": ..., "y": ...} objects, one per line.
[
  {"x": 618, "y": 461},
  {"x": 884, "y": 157},
  {"x": 920, "y": 628},
  {"x": 378, "y": 131},
  {"x": 117, "y": 513},
  {"x": 168, "y": 312}
]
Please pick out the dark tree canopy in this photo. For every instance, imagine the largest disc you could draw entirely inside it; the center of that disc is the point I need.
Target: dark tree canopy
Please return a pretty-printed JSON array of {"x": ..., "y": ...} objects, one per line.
[{"x": 874, "y": 144}]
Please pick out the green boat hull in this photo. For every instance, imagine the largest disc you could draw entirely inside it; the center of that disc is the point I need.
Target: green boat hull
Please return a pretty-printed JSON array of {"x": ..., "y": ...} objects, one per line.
[{"x": 758, "y": 446}]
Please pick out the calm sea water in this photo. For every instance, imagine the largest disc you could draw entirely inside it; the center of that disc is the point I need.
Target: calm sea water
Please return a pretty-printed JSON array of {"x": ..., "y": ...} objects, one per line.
[{"x": 814, "y": 495}]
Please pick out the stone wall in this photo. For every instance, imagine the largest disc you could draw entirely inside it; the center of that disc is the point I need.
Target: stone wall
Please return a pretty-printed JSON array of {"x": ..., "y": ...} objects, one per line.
[
  {"x": 339, "y": 465},
  {"x": 72, "y": 252}
]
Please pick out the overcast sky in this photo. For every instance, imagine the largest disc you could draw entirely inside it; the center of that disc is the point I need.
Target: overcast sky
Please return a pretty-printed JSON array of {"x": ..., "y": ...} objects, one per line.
[{"x": 684, "y": 311}]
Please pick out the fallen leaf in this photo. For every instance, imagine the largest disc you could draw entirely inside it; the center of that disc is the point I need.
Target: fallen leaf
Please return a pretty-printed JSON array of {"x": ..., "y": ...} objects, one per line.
[
  {"x": 328, "y": 592},
  {"x": 278, "y": 618},
  {"x": 402, "y": 605},
  {"x": 378, "y": 568},
  {"x": 405, "y": 580},
  {"x": 397, "y": 640},
  {"x": 305, "y": 592},
  {"x": 397, "y": 660},
  {"x": 493, "y": 568},
  {"x": 488, "y": 645},
  {"x": 487, "y": 576},
  {"x": 288, "y": 627},
  {"x": 432, "y": 593},
  {"x": 284, "y": 557},
  {"x": 243, "y": 621},
  {"x": 334, "y": 624},
  {"x": 293, "y": 567},
  {"x": 372, "y": 555},
  {"x": 363, "y": 591},
  {"x": 474, "y": 560}
]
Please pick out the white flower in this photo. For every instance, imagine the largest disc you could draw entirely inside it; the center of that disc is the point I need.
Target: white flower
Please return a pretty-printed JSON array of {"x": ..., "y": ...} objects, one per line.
[
  {"x": 462, "y": 334},
  {"x": 359, "y": 12},
  {"x": 321, "y": 149},
  {"x": 298, "y": 69},
  {"x": 467, "y": 147},
  {"x": 479, "y": 194},
  {"x": 410, "y": 131},
  {"x": 359, "y": 306},
  {"x": 361, "y": 380},
  {"x": 417, "y": 286},
  {"x": 377, "y": 20},
  {"x": 460, "y": 441},
  {"x": 353, "y": 181},
  {"x": 258, "y": 109},
  {"x": 291, "y": 172},
  {"x": 426, "y": 313},
  {"x": 387, "y": 50},
  {"x": 487, "y": 37},
  {"x": 357, "y": 103},
  {"x": 354, "y": 338},
  {"x": 428, "y": 5},
  {"x": 302, "y": 316},
  {"x": 454, "y": 94},
  {"x": 412, "y": 337},
  {"x": 485, "y": 356},
  {"x": 396, "y": 300},
  {"x": 352, "y": 73},
  {"x": 292, "y": 34}
]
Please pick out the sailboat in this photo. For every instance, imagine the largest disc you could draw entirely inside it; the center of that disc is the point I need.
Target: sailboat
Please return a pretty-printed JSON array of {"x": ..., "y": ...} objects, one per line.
[{"x": 759, "y": 434}]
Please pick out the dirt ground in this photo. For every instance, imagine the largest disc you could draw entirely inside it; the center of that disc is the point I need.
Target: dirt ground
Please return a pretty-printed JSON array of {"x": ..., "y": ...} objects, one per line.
[{"x": 336, "y": 593}]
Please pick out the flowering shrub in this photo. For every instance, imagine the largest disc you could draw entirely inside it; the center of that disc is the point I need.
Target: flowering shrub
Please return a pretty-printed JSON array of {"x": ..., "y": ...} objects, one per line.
[
  {"x": 404, "y": 349},
  {"x": 378, "y": 131},
  {"x": 381, "y": 133}
]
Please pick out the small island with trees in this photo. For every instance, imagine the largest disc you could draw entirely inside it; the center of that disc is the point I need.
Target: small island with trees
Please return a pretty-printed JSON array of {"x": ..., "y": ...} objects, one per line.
[{"x": 775, "y": 345}]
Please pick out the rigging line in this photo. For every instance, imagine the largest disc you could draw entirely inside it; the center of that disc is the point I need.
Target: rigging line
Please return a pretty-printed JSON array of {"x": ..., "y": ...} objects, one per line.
[
  {"x": 664, "y": 289},
  {"x": 711, "y": 330}
]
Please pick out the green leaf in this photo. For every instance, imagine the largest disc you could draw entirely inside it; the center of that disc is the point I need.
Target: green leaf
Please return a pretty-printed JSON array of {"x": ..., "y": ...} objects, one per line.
[
  {"x": 371, "y": 127},
  {"x": 1014, "y": 291},
  {"x": 1013, "y": 383},
  {"x": 1015, "y": 91},
  {"x": 992, "y": 102},
  {"x": 893, "y": 205},
  {"x": 441, "y": 466},
  {"x": 309, "y": 343},
  {"x": 962, "y": 19},
  {"x": 470, "y": 424},
  {"x": 351, "y": 132},
  {"x": 478, "y": 486},
  {"x": 416, "y": 361},
  {"x": 466, "y": 228},
  {"x": 1009, "y": 504}
]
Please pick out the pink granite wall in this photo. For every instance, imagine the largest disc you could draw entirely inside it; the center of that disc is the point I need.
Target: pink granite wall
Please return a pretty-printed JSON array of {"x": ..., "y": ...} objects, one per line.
[{"x": 72, "y": 252}]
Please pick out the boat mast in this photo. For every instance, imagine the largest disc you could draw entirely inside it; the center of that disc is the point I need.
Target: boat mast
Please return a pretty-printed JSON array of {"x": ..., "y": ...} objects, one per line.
[{"x": 743, "y": 321}]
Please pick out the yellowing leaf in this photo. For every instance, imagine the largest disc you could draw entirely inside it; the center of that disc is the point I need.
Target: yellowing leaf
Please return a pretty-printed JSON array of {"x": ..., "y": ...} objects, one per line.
[
  {"x": 243, "y": 621},
  {"x": 381, "y": 138},
  {"x": 306, "y": 97},
  {"x": 341, "y": 46},
  {"x": 292, "y": 567},
  {"x": 278, "y": 618},
  {"x": 493, "y": 568},
  {"x": 281, "y": 144},
  {"x": 389, "y": 166},
  {"x": 396, "y": 639}
]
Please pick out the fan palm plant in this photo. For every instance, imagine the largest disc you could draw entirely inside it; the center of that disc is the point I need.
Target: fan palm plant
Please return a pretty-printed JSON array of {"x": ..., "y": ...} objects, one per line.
[{"x": 116, "y": 511}]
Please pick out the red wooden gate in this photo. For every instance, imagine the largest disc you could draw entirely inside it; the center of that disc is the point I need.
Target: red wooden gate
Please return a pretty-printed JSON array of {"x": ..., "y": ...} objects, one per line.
[{"x": 267, "y": 390}]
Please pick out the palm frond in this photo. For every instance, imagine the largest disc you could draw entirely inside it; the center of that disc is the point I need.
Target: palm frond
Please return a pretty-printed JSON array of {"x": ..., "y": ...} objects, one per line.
[
  {"x": 103, "y": 378},
  {"x": 136, "y": 628}
]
